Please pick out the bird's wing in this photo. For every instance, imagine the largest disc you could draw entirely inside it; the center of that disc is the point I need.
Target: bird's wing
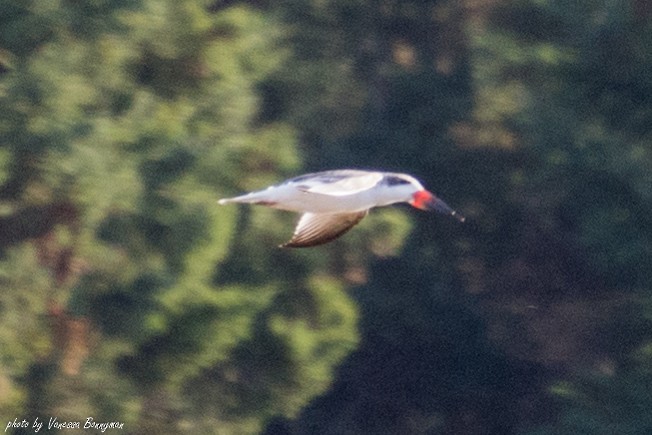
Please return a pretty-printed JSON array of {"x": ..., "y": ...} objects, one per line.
[
  {"x": 317, "y": 228},
  {"x": 339, "y": 183}
]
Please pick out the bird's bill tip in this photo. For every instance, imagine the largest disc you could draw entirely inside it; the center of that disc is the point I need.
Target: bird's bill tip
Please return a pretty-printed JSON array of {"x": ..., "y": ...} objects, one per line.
[{"x": 458, "y": 216}]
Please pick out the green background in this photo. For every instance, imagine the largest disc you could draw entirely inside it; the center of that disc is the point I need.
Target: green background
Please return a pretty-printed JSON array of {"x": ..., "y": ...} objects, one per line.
[{"x": 127, "y": 294}]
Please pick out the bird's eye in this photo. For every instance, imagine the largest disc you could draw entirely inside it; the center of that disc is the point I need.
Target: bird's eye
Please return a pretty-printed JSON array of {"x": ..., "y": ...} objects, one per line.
[{"x": 396, "y": 181}]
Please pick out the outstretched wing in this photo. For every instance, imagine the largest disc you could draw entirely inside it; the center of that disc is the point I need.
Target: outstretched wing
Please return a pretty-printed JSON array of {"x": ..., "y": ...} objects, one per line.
[
  {"x": 317, "y": 228},
  {"x": 337, "y": 183}
]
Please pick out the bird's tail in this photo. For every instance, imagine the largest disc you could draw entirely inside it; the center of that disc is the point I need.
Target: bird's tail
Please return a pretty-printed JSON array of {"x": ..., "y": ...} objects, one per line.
[
  {"x": 235, "y": 199},
  {"x": 249, "y": 198}
]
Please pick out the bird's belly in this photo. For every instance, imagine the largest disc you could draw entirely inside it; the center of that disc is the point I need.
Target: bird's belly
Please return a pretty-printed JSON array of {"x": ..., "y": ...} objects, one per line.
[{"x": 317, "y": 203}]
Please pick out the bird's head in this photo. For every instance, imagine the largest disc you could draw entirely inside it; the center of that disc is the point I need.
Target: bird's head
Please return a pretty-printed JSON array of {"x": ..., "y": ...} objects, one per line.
[{"x": 405, "y": 188}]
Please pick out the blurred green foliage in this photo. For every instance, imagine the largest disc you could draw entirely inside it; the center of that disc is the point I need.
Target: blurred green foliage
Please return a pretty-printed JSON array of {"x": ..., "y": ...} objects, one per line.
[
  {"x": 128, "y": 294},
  {"x": 137, "y": 116}
]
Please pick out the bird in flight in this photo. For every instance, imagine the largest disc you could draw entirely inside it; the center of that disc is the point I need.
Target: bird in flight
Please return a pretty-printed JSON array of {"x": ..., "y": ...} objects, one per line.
[{"x": 332, "y": 202}]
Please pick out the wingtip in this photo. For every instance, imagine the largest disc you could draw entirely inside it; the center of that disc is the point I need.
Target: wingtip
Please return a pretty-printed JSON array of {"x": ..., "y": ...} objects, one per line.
[
  {"x": 223, "y": 201},
  {"x": 292, "y": 244}
]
